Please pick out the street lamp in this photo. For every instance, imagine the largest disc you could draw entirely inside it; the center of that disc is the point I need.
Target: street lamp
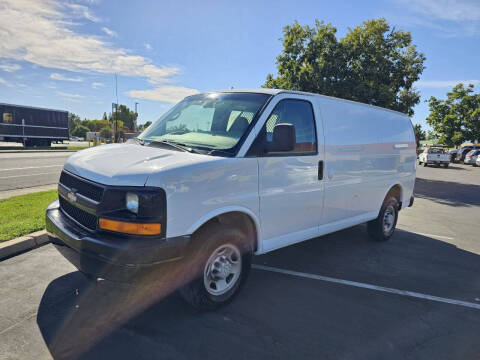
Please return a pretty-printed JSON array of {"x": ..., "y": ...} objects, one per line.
[{"x": 136, "y": 117}]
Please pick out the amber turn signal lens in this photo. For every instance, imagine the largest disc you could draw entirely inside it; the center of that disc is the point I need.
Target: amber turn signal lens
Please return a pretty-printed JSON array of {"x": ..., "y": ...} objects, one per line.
[{"x": 130, "y": 227}]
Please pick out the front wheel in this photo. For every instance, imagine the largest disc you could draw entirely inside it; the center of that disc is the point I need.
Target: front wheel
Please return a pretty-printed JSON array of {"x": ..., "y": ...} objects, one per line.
[
  {"x": 222, "y": 259},
  {"x": 424, "y": 164},
  {"x": 445, "y": 165},
  {"x": 383, "y": 227}
]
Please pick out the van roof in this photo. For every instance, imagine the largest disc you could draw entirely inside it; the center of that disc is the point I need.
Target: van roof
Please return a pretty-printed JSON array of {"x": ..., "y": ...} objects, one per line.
[{"x": 283, "y": 91}]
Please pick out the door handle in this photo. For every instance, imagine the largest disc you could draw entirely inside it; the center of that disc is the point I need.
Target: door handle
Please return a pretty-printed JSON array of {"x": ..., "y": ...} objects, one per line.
[{"x": 320, "y": 170}]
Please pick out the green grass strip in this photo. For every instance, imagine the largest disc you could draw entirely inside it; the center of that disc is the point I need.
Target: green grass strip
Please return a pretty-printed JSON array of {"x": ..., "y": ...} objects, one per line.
[{"x": 23, "y": 214}]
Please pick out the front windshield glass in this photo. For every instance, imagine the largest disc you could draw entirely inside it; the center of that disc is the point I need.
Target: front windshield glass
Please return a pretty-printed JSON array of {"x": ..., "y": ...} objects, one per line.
[{"x": 215, "y": 121}]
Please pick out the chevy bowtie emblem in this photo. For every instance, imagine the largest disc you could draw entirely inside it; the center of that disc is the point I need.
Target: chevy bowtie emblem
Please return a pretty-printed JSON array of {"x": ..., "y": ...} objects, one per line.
[{"x": 72, "y": 196}]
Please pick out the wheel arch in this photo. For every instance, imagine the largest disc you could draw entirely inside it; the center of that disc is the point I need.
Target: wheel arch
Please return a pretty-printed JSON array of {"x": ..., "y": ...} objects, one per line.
[
  {"x": 243, "y": 217},
  {"x": 396, "y": 190}
]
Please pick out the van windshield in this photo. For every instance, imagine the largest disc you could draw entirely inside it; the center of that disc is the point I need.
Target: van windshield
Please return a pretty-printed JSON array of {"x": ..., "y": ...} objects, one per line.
[{"x": 214, "y": 121}]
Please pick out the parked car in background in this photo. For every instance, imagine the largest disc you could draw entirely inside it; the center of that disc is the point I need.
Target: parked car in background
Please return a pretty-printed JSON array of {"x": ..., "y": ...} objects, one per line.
[
  {"x": 463, "y": 151},
  {"x": 434, "y": 156},
  {"x": 452, "y": 153},
  {"x": 471, "y": 157},
  {"x": 194, "y": 197}
]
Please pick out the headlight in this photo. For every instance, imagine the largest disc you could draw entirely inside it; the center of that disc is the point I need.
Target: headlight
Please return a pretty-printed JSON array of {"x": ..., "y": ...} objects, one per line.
[{"x": 131, "y": 202}]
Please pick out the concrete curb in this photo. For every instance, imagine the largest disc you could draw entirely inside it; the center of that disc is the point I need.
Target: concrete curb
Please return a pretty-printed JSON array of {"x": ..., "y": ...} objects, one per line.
[
  {"x": 36, "y": 151},
  {"x": 23, "y": 243}
]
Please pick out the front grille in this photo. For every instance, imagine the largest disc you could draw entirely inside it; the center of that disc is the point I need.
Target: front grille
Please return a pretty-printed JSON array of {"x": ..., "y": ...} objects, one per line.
[
  {"x": 83, "y": 187},
  {"x": 82, "y": 217}
]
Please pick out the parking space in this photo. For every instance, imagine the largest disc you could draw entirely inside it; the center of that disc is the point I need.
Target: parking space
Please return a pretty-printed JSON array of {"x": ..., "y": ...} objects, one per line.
[{"x": 340, "y": 296}]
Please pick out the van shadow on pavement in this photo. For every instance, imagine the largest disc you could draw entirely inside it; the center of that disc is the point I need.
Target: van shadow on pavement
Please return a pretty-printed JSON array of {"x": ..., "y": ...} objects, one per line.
[
  {"x": 280, "y": 316},
  {"x": 448, "y": 192}
]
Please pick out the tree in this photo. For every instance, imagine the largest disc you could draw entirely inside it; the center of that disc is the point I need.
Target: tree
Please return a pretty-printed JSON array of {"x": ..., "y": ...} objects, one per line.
[
  {"x": 73, "y": 121},
  {"x": 126, "y": 116},
  {"x": 106, "y": 132},
  {"x": 373, "y": 64},
  {"x": 419, "y": 133},
  {"x": 80, "y": 131},
  {"x": 457, "y": 118}
]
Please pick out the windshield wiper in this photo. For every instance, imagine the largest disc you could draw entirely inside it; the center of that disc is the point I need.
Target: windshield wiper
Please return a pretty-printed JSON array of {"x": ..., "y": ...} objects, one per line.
[
  {"x": 175, "y": 144},
  {"x": 138, "y": 140},
  {"x": 220, "y": 152}
]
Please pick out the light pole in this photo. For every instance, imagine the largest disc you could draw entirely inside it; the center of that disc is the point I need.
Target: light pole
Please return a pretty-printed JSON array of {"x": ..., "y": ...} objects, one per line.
[{"x": 136, "y": 117}]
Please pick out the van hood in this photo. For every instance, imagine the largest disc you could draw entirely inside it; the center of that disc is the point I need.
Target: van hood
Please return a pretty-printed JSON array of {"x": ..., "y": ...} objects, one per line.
[{"x": 127, "y": 164}]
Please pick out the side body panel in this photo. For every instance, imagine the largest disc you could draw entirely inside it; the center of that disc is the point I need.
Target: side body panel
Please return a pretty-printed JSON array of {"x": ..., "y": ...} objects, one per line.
[
  {"x": 367, "y": 151},
  {"x": 199, "y": 191}
]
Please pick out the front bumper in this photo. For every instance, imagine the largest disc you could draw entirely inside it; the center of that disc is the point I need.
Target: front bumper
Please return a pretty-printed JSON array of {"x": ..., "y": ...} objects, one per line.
[{"x": 110, "y": 256}]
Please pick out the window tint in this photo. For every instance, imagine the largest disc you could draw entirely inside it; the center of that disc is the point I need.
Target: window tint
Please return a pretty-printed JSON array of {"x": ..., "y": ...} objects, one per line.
[{"x": 299, "y": 113}]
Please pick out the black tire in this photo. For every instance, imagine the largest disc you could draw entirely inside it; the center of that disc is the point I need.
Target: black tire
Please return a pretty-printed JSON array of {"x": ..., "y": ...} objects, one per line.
[
  {"x": 424, "y": 164},
  {"x": 376, "y": 228},
  {"x": 204, "y": 245},
  {"x": 445, "y": 165}
]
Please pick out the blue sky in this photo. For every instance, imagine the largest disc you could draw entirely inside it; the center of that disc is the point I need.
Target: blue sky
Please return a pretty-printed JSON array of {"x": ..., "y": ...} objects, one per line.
[{"x": 63, "y": 54}]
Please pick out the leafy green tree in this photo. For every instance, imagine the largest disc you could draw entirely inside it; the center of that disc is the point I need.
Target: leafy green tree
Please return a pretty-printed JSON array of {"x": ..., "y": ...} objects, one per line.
[
  {"x": 127, "y": 116},
  {"x": 457, "y": 118},
  {"x": 419, "y": 133},
  {"x": 73, "y": 121},
  {"x": 80, "y": 131},
  {"x": 106, "y": 132},
  {"x": 373, "y": 64}
]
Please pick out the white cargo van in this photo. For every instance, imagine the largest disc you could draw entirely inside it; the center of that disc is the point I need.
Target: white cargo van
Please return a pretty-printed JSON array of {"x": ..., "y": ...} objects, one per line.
[{"x": 226, "y": 175}]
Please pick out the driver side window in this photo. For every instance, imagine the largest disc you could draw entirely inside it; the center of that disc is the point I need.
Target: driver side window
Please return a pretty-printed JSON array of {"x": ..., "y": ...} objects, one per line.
[{"x": 298, "y": 113}]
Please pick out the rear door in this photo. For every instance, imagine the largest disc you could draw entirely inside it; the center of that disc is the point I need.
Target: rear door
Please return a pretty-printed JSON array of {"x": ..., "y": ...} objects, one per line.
[{"x": 290, "y": 191}]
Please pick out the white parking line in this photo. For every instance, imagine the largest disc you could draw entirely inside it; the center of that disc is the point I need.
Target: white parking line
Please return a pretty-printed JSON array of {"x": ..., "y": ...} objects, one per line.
[
  {"x": 368, "y": 286},
  {"x": 430, "y": 235},
  {"x": 30, "y": 167},
  {"x": 16, "y": 176},
  {"x": 438, "y": 236}
]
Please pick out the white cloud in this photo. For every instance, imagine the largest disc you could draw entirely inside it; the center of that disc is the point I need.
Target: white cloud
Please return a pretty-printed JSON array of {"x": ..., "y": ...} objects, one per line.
[
  {"x": 42, "y": 33},
  {"x": 81, "y": 11},
  {"x": 70, "y": 96},
  {"x": 444, "y": 83},
  {"x": 167, "y": 93},
  {"x": 109, "y": 32},
  {"x": 4, "y": 82},
  {"x": 10, "y": 67},
  {"x": 60, "y": 77},
  {"x": 148, "y": 46},
  {"x": 452, "y": 17},
  {"x": 453, "y": 10},
  {"x": 96, "y": 85}
]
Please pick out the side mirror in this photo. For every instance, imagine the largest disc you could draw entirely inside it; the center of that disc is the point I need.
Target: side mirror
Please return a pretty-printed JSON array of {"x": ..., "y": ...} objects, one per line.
[{"x": 283, "y": 138}]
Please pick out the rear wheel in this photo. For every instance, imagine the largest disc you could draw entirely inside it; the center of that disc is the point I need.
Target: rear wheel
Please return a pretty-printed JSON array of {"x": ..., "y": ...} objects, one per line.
[
  {"x": 383, "y": 227},
  {"x": 445, "y": 165},
  {"x": 221, "y": 263}
]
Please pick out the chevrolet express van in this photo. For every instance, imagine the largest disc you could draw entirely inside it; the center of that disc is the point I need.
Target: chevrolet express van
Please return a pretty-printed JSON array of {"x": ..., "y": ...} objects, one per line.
[{"x": 225, "y": 175}]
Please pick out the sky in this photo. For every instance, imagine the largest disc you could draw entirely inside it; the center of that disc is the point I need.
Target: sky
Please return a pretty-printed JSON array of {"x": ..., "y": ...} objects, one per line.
[{"x": 65, "y": 54}]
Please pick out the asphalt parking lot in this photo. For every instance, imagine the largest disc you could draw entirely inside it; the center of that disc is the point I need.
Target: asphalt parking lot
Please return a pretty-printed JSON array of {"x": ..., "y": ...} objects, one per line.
[{"x": 340, "y": 296}]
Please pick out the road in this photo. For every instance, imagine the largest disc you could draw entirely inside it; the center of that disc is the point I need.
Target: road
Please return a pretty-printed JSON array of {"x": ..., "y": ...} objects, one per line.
[
  {"x": 340, "y": 296},
  {"x": 24, "y": 170}
]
